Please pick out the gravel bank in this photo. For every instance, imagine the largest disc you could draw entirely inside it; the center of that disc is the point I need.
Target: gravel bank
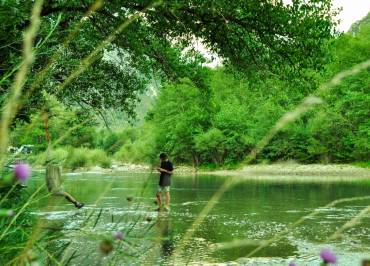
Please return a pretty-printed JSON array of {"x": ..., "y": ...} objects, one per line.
[
  {"x": 315, "y": 171},
  {"x": 339, "y": 170}
]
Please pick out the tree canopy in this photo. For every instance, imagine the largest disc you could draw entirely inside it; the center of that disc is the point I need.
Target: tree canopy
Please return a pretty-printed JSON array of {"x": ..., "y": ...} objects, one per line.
[
  {"x": 241, "y": 110},
  {"x": 247, "y": 35}
]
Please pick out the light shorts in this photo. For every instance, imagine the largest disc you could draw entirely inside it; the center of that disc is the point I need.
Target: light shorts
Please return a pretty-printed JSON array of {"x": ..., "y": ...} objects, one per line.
[{"x": 163, "y": 189}]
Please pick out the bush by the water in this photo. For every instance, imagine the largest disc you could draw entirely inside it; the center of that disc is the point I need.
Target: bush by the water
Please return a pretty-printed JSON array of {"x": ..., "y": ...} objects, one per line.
[{"x": 73, "y": 158}]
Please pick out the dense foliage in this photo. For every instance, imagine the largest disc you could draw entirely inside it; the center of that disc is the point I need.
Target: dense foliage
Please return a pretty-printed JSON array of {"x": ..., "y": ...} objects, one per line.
[
  {"x": 222, "y": 124},
  {"x": 225, "y": 125},
  {"x": 246, "y": 34}
]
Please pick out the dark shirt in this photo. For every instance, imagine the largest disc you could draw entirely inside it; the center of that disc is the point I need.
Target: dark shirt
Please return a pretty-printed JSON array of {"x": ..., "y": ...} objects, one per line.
[{"x": 165, "y": 178}]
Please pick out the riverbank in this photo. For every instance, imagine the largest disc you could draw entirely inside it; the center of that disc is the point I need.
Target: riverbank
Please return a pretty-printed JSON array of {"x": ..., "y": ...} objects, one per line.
[
  {"x": 279, "y": 169},
  {"x": 292, "y": 169},
  {"x": 121, "y": 167}
]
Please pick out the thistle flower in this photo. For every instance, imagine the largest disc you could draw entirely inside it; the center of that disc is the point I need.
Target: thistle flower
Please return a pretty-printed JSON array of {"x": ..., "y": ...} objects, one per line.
[
  {"x": 118, "y": 235},
  {"x": 328, "y": 256},
  {"x": 292, "y": 264},
  {"x": 22, "y": 171}
]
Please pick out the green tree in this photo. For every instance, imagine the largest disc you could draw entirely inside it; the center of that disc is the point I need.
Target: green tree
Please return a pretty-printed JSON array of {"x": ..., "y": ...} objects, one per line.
[
  {"x": 180, "y": 113},
  {"x": 247, "y": 34},
  {"x": 59, "y": 121}
]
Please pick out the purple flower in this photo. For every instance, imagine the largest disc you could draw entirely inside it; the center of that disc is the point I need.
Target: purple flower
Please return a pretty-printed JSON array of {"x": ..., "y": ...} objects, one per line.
[
  {"x": 292, "y": 264},
  {"x": 22, "y": 171},
  {"x": 118, "y": 235},
  {"x": 328, "y": 256}
]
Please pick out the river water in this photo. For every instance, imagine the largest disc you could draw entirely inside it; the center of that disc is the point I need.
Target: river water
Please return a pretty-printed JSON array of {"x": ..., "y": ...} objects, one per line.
[{"x": 252, "y": 211}]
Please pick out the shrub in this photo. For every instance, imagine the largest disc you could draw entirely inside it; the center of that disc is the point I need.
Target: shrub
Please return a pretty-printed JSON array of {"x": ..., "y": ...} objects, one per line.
[
  {"x": 77, "y": 157},
  {"x": 98, "y": 157},
  {"x": 74, "y": 158},
  {"x": 105, "y": 162},
  {"x": 58, "y": 155},
  {"x": 124, "y": 154}
]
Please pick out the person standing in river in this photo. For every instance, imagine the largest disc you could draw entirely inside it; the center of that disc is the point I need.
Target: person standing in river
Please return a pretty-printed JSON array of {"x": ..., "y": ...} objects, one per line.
[{"x": 165, "y": 171}]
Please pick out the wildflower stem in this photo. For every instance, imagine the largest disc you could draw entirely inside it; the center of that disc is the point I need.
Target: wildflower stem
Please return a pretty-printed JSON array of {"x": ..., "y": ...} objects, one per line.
[
  {"x": 21, "y": 211},
  {"x": 8, "y": 193}
]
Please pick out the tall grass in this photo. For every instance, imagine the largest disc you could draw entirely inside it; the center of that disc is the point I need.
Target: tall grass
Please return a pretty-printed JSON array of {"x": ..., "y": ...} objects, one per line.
[
  {"x": 19, "y": 243},
  {"x": 11, "y": 104}
]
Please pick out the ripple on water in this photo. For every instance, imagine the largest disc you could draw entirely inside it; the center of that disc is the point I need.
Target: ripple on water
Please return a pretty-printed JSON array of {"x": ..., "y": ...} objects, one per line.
[
  {"x": 52, "y": 215},
  {"x": 199, "y": 202},
  {"x": 294, "y": 211}
]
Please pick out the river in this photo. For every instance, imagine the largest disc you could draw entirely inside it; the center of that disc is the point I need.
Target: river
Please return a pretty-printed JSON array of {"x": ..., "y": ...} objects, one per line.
[{"x": 252, "y": 210}]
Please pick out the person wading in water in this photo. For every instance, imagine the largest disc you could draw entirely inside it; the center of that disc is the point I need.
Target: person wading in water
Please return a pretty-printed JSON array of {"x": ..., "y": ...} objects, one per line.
[{"x": 165, "y": 171}]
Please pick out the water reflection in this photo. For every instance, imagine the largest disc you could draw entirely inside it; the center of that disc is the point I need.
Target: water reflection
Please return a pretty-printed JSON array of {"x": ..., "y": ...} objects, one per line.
[{"x": 166, "y": 235}]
